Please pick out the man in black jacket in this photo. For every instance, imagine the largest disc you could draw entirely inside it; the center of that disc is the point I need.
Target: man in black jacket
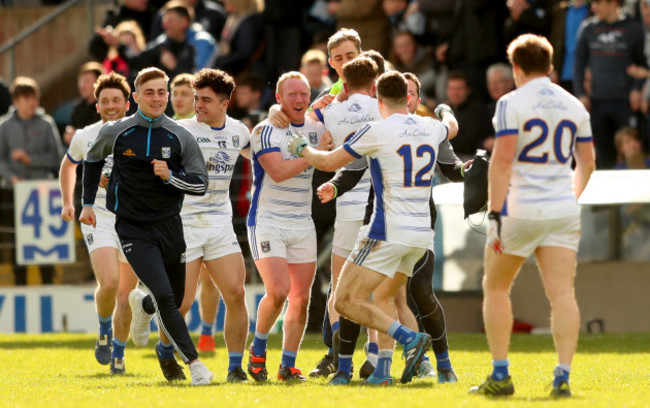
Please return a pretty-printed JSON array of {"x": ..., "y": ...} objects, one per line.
[{"x": 155, "y": 163}]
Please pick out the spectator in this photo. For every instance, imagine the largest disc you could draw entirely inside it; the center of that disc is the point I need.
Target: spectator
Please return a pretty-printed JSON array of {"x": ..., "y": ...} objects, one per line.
[
  {"x": 246, "y": 103},
  {"x": 567, "y": 18},
  {"x": 366, "y": 17},
  {"x": 408, "y": 56},
  {"x": 608, "y": 43},
  {"x": 138, "y": 10},
  {"x": 499, "y": 82},
  {"x": 127, "y": 33},
  {"x": 210, "y": 15},
  {"x": 527, "y": 16},
  {"x": 404, "y": 15},
  {"x": 182, "y": 96},
  {"x": 30, "y": 149},
  {"x": 474, "y": 124},
  {"x": 629, "y": 146},
  {"x": 85, "y": 110},
  {"x": 314, "y": 67},
  {"x": 5, "y": 98}
]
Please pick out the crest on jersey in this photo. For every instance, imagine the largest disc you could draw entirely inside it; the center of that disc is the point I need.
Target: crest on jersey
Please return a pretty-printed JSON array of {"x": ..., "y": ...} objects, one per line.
[
  {"x": 410, "y": 121},
  {"x": 235, "y": 141},
  {"x": 266, "y": 246},
  {"x": 355, "y": 107},
  {"x": 90, "y": 239},
  {"x": 313, "y": 138},
  {"x": 166, "y": 152}
]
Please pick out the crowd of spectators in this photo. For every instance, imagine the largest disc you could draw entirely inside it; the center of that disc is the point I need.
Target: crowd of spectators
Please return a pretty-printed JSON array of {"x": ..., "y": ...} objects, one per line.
[{"x": 455, "y": 47}]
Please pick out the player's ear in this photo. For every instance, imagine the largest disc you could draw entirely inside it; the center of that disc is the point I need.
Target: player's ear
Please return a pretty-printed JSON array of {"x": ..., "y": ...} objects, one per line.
[
  {"x": 277, "y": 98},
  {"x": 345, "y": 88},
  {"x": 128, "y": 105},
  {"x": 135, "y": 97}
]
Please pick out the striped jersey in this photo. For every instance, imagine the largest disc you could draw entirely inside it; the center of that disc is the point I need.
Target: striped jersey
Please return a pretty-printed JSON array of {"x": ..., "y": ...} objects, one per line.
[
  {"x": 220, "y": 148},
  {"x": 401, "y": 150},
  {"x": 80, "y": 144},
  {"x": 548, "y": 122},
  {"x": 342, "y": 120},
  {"x": 286, "y": 204}
]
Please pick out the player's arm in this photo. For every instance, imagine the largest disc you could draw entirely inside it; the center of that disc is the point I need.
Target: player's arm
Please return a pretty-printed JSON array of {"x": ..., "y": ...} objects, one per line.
[
  {"x": 67, "y": 181},
  {"x": 246, "y": 152},
  {"x": 446, "y": 115},
  {"x": 500, "y": 169},
  {"x": 584, "y": 155},
  {"x": 450, "y": 165},
  {"x": 322, "y": 160},
  {"x": 194, "y": 177},
  {"x": 94, "y": 163},
  {"x": 279, "y": 169}
]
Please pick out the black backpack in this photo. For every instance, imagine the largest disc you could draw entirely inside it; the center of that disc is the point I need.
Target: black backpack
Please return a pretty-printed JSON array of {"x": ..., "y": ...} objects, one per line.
[{"x": 475, "y": 195}]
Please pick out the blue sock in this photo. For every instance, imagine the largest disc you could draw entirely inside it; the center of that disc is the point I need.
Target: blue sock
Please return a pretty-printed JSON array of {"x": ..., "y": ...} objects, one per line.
[
  {"x": 105, "y": 325},
  {"x": 382, "y": 370},
  {"x": 234, "y": 360},
  {"x": 373, "y": 348},
  {"x": 443, "y": 361},
  {"x": 166, "y": 351},
  {"x": 345, "y": 363},
  {"x": 500, "y": 370},
  {"x": 288, "y": 358},
  {"x": 118, "y": 348},
  {"x": 561, "y": 373},
  {"x": 206, "y": 328},
  {"x": 335, "y": 326},
  {"x": 401, "y": 333},
  {"x": 259, "y": 343}
]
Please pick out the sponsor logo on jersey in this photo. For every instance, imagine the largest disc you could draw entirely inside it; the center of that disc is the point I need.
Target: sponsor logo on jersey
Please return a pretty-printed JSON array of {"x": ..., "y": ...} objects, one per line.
[
  {"x": 313, "y": 138},
  {"x": 220, "y": 163},
  {"x": 128, "y": 152},
  {"x": 354, "y": 119},
  {"x": 90, "y": 239},
  {"x": 235, "y": 141},
  {"x": 166, "y": 152},
  {"x": 266, "y": 246}
]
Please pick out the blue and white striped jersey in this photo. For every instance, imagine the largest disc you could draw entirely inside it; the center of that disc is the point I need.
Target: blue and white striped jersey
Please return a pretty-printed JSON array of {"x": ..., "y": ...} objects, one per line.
[
  {"x": 220, "y": 148},
  {"x": 290, "y": 200},
  {"x": 548, "y": 122},
  {"x": 401, "y": 151},
  {"x": 80, "y": 144},
  {"x": 342, "y": 120}
]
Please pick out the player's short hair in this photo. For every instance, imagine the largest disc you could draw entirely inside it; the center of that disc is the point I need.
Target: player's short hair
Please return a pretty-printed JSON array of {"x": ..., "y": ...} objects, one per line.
[
  {"x": 182, "y": 79},
  {"x": 344, "y": 34},
  {"x": 313, "y": 56},
  {"x": 411, "y": 77},
  {"x": 112, "y": 81},
  {"x": 147, "y": 74},
  {"x": 532, "y": 53},
  {"x": 360, "y": 73},
  {"x": 180, "y": 7},
  {"x": 254, "y": 82},
  {"x": 393, "y": 89},
  {"x": 219, "y": 81},
  {"x": 92, "y": 67},
  {"x": 290, "y": 75},
  {"x": 378, "y": 58},
  {"x": 24, "y": 86}
]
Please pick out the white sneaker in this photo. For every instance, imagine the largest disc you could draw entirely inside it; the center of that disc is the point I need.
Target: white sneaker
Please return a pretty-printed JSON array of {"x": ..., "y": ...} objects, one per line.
[
  {"x": 200, "y": 374},
  {"x": 426, "y": 370},
  {"x": 140, "y": 319}
]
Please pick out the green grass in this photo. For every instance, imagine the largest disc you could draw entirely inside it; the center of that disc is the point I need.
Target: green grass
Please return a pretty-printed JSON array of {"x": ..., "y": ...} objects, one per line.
[{"x": 60, "y": 370}]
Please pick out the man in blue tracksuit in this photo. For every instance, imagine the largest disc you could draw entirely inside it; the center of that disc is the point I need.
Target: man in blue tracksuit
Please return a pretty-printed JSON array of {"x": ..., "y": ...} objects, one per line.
[{"x": 156, "y": 162}]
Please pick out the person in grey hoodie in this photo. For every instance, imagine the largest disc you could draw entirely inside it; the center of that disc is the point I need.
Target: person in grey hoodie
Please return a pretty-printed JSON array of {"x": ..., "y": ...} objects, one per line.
[{"x": 30, "y": 149}]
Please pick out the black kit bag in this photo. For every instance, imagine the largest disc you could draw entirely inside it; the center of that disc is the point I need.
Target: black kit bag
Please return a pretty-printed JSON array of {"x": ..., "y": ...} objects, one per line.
[{"x": 475, "y": 195}]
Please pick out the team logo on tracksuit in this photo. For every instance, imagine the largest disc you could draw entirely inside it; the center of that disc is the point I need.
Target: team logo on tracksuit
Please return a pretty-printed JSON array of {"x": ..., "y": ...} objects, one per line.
[{"x": 166, "y": 152}]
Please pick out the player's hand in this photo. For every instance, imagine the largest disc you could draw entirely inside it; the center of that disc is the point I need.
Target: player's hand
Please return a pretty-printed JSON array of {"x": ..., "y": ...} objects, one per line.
[
  {"x": 322, "y": 102},
  {"x": 21, "y": 155},
  {"x": 103, "y": 181},
  {"x": 87, "y": 217},
  {"x": 297, "y": 143},
  {"x": 168, "y": 60},
  {"x": 494, "y": 232},
  {"x": 278, "y": 118},
  {"x": 326, "y": 192},
  {"x": 441, "y": 109},
  {"x": 67, "y": 212},
  {"x": 161, "y": 170},
  {"x": 326, "y": 142}
]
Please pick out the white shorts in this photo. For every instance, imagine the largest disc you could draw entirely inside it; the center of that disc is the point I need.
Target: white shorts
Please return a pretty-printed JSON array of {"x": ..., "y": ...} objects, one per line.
[
  {"x": 385, "y": 257},
  {"x": 521, "y": 236},
  {"x": 345, "y": 237},
  {"x": 296, "y": 246},
  {"x": 104, "y": 235},
  {"x": 209, "y": 242}
]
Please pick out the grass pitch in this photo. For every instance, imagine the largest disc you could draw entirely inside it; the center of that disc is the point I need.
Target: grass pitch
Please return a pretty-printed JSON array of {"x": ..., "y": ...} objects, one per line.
[{"x": 56, "y": 370}]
